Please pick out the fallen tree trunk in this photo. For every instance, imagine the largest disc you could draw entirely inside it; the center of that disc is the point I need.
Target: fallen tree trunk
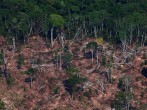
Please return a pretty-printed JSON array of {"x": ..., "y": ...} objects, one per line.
[{"x": 43, "y": 65}]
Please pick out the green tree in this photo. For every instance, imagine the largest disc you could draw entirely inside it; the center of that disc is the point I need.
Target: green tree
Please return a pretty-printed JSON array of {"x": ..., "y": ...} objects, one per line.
[{"x": 56, "y": 21}]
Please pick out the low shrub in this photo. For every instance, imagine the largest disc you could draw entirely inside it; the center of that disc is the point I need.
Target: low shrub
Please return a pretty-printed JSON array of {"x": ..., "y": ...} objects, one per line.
[
  {"x": 121, "y": 100},
  {"x": 1, "y": 59},
  {"x": 67, "y": 57},
  {"x": 88, "y": 94},
  {"x": 72, "y": 71},
  {"x": 56, "y": 89},
  {"x": 120, "y": 84},
  {"x": 145, "y": 62},
  {"x": 104, "y": 61},
  {"x": 30, "y": 71},
  {"x": 10, "y": 80},
  {"x": 71, "y": 84},
  {"x": 20, "y": 60},
  {"x": 66, "y": 48},
  {"x": 2, "y": 105}
]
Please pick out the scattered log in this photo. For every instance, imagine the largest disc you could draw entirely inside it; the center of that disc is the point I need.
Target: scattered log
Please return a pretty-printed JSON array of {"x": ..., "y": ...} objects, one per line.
[{"x": 91, "y": 70}]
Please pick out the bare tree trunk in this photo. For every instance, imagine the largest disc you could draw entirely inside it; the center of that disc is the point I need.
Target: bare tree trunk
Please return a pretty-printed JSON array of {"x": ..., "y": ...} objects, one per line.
[
  {"x": 95, "y": 32},
  {"x": 5, "y": 68},
  {"x": 127, "y": 91},
  {"x": 46, "y": 33},
  {"x": 5, "y": 71},
  {"x": 91, "y": 30},
  {"x": 92, "y": 55},
  {"x": 102, "y": 26},
  {"x": 24, "y": 41},
  {"x": 138, "y": 32},
  {"x": 110, "y": 34},
  {"x": 131, "y": 34},
  {"x": 14, "y": 44},
  {"x": 143, "y": 40},
  {"x": 97, "y": 58},
  {"x": 62, "y": 39},
  {"x": 31, "y": 83},
  {"x": 60, "y": 62},
  {"x": 52, "y": 41},
  {"x": 124, "y": 45},
  {"x": 68, "y": 31},
  {"x": 31, "y": 28}
]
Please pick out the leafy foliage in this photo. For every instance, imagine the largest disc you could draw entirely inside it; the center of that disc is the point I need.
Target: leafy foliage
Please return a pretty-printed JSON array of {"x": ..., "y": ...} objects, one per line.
[
  {"x": 56, "y": 20},
  {"x": 71, "y": 84},
  {"x": 91, "y": 45},
  {"x": 30, "y": 71},
  {"x": 99, "y": 41}
]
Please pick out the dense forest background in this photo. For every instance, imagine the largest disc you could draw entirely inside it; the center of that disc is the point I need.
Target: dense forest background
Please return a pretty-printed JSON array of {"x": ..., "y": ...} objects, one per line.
[{"x": 114, "y": 20}]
